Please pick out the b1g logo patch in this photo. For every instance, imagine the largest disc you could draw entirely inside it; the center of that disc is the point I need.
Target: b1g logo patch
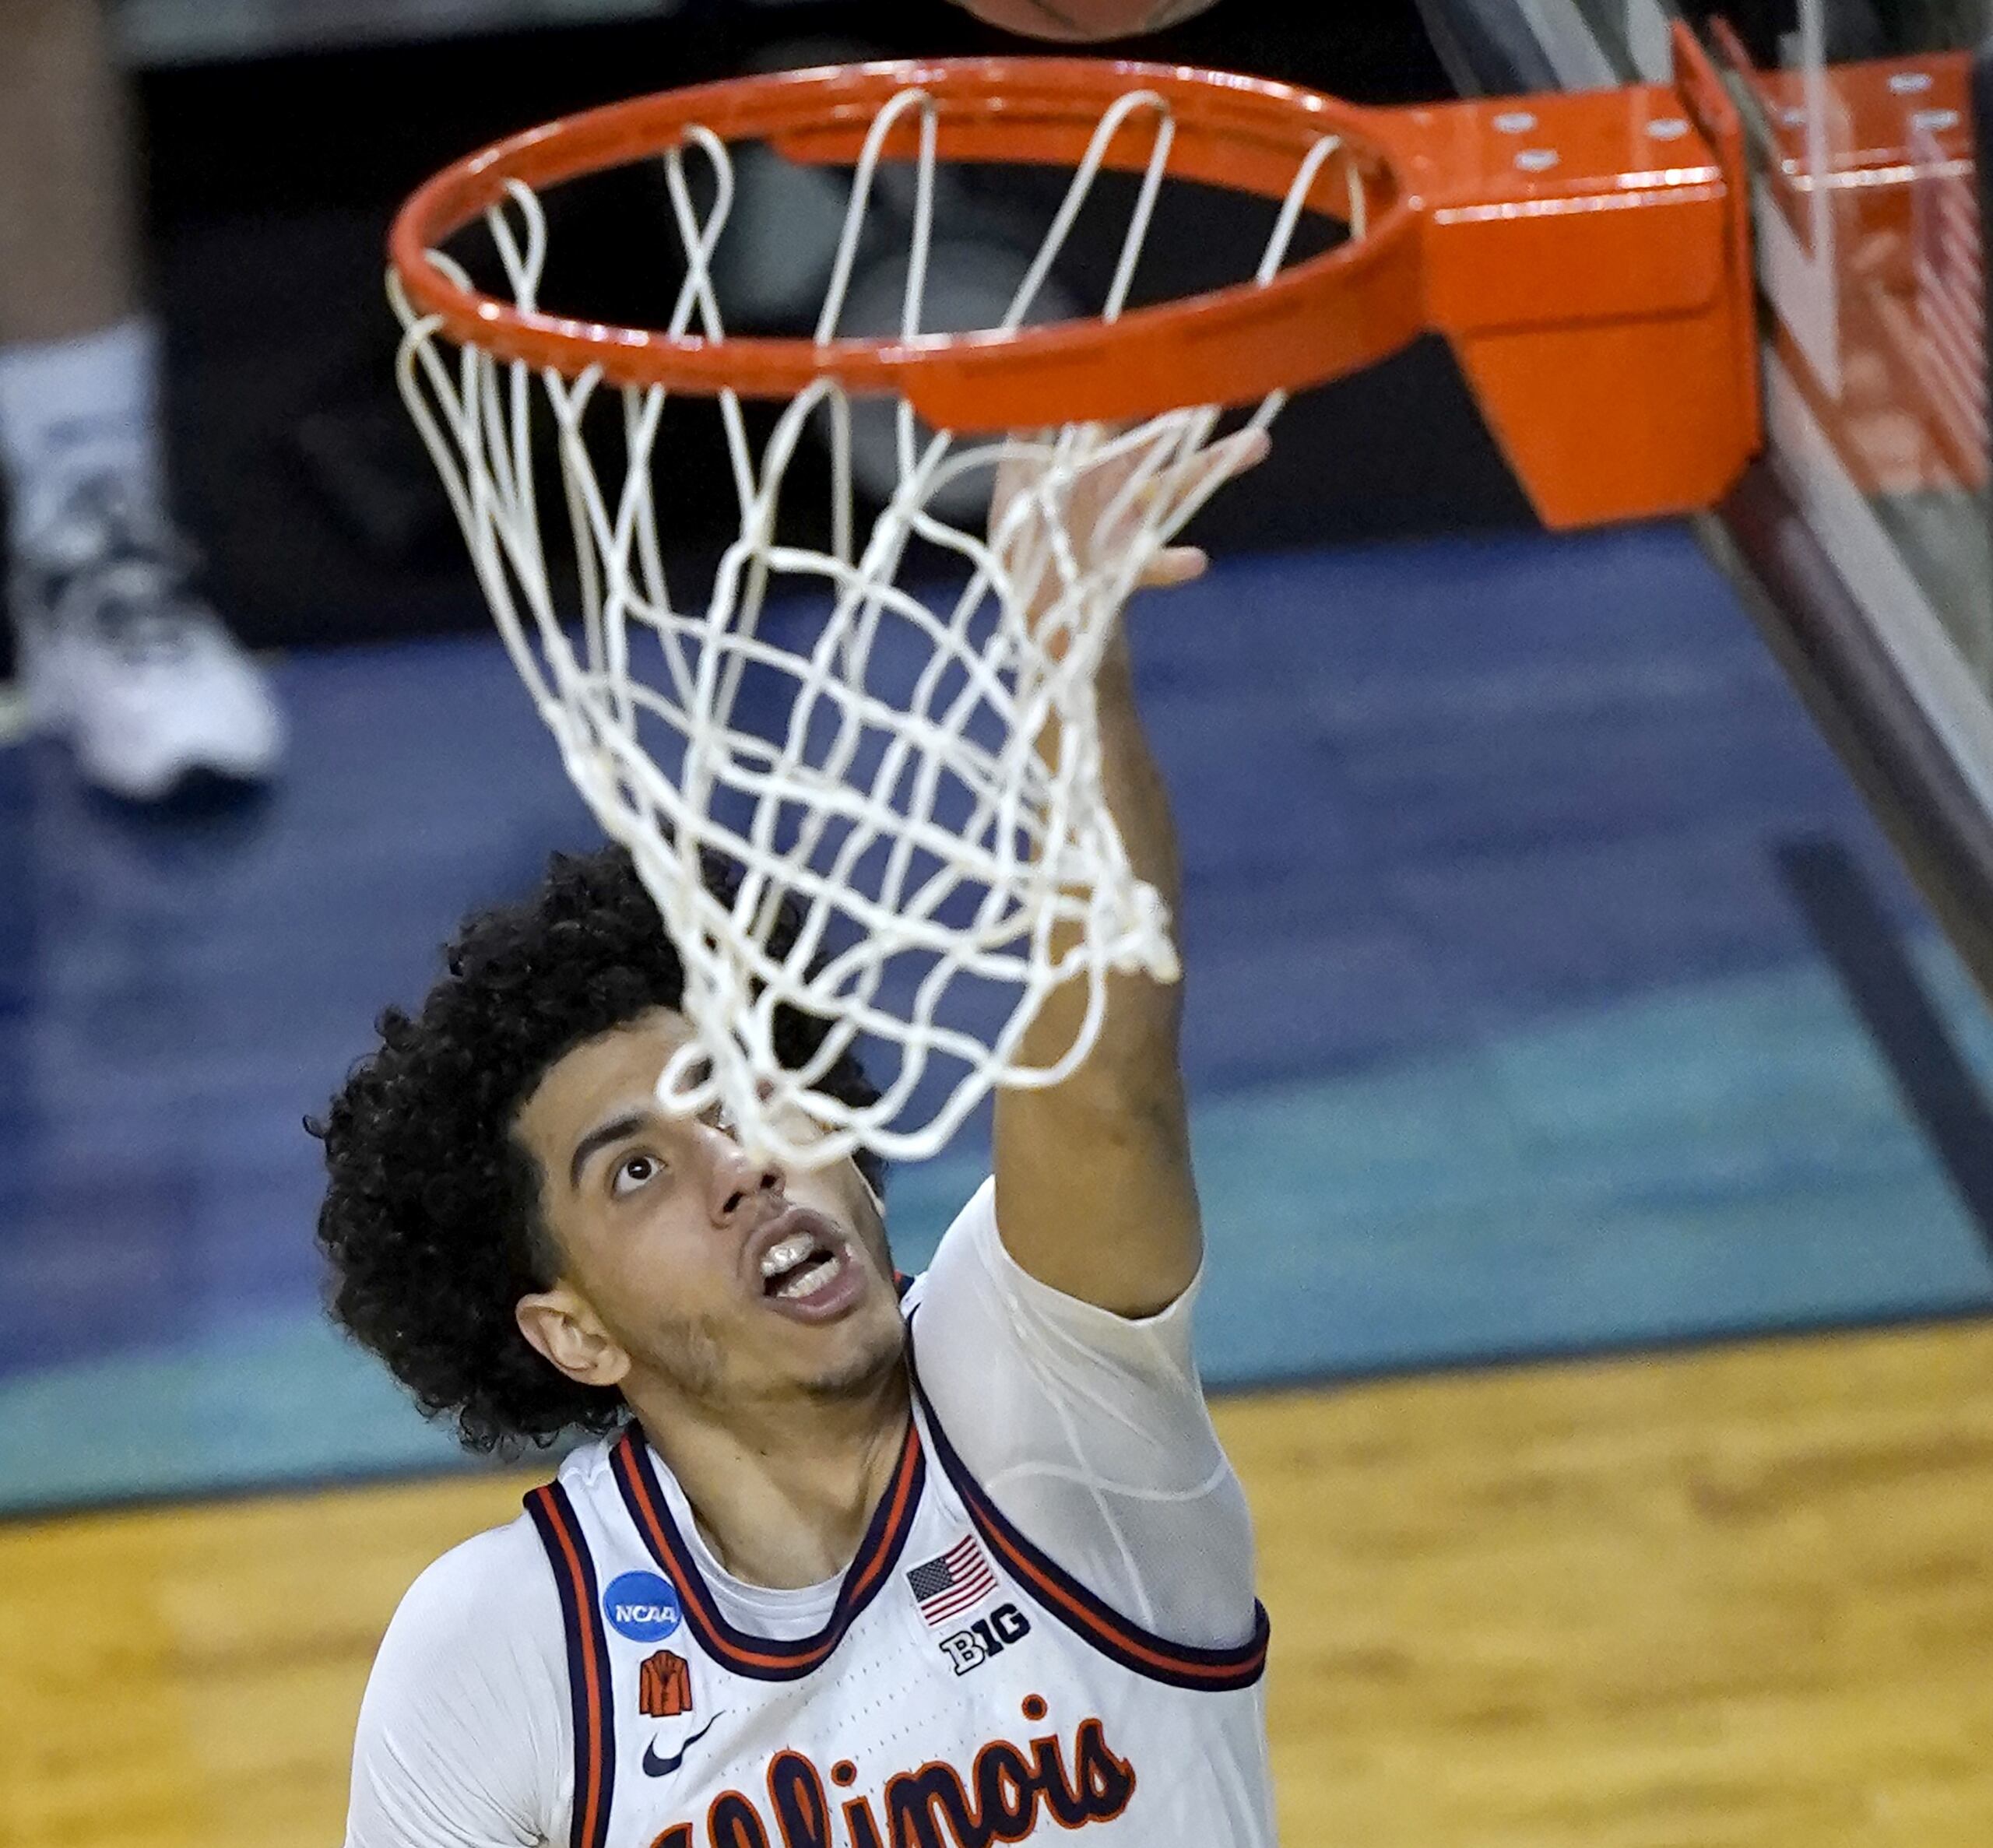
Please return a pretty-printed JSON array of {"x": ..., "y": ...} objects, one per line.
[
  {"x": 641, "y": 1606},
  {"x": 986, "y": 1637}
]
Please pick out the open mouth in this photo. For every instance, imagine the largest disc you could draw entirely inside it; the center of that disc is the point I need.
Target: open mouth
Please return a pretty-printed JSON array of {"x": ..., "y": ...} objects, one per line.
[
  {"x": 801, "y": 1266},
  {"x": 806, "y": 1266}
]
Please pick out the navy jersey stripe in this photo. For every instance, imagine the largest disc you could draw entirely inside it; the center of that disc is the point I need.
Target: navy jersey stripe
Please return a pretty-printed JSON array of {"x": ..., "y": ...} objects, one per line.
[{"x": 588, "y": 1684}]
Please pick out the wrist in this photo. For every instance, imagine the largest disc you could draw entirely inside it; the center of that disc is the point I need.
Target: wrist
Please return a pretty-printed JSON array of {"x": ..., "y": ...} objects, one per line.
[{"x": 1115, "y": 675}]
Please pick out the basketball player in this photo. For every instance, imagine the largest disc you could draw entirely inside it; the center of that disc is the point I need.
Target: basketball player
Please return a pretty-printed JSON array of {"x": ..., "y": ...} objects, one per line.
[
  {"x": 116, "y": 655},
  {"x": 848, "y": 1563}
]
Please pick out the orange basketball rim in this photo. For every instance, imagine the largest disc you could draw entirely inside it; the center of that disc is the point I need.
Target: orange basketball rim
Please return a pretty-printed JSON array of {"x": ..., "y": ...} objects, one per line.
[{"x": 1585, "y": 255}]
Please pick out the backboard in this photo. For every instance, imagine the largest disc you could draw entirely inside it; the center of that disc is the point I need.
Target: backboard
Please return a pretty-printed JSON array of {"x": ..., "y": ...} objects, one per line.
[{"x": 1861, "y": 538}]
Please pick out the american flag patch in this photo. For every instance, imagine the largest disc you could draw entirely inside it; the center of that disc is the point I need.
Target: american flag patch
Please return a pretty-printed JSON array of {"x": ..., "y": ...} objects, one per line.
[{"x": 947, "y": 1586}]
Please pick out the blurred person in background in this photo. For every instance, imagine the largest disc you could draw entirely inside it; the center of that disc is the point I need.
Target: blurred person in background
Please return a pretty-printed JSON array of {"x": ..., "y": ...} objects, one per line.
[{"x": 116, "y": 653}]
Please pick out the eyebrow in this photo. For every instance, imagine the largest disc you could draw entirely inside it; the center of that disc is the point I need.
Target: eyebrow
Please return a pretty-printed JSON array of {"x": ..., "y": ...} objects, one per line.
[{"x": 596, "y": 1140}]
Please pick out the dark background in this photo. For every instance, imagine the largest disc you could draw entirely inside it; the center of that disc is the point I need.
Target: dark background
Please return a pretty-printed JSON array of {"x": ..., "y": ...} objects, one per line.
[{"x": 271, "y": 184}]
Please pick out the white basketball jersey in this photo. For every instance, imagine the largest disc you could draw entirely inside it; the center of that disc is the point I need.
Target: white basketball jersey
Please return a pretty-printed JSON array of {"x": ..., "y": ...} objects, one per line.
[{"x": 965, "y": 1692}]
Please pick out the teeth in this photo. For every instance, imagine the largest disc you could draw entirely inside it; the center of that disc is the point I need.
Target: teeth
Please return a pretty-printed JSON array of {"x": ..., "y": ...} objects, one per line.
[
  {"x": 792, "y": 1250},
  {"x": 808, "y": 1281}
]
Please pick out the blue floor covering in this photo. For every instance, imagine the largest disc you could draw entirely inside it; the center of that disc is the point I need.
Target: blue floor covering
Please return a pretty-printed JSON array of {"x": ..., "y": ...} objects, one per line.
[{"x": 1503, "y": 1036}]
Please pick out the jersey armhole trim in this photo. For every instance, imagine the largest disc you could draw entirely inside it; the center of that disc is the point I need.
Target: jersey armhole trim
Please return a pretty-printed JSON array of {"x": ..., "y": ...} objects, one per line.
[
  {"x": 1176, "y": 1664},
  {"x": 769, "y": 1658},
  {"x": 589, "y": 1682}
]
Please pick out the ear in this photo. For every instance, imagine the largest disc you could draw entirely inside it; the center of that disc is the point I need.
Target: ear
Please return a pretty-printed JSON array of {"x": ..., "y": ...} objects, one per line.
[{"x": 568, "y": 1333}]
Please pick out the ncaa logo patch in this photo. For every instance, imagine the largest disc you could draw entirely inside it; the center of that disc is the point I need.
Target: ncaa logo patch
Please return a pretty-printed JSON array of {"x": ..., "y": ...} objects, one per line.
[{"x": 641, "y": 1606}]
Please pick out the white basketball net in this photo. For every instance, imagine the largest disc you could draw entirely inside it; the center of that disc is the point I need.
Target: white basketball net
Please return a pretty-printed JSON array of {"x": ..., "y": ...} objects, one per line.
[{"x": 948, "y": 878}]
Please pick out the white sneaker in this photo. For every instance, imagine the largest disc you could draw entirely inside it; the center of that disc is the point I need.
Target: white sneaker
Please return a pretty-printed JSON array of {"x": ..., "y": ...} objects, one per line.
[{"x": 119, "y": 657}]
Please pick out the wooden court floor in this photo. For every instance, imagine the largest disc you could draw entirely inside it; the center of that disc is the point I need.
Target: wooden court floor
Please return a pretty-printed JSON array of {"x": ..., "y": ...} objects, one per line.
[{"x": 1742, "y": 1596}]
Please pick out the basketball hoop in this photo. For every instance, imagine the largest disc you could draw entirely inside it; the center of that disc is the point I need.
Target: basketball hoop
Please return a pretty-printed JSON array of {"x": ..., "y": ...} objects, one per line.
[{"x": 949, "y": 877}]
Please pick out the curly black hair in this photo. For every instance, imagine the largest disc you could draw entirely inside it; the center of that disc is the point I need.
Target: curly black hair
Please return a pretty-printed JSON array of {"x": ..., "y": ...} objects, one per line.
[{"x": 432, "y": 1220}]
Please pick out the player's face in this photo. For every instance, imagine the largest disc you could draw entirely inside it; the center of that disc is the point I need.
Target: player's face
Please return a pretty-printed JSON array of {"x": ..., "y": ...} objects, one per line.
[{"x": 685, "y": 1263}]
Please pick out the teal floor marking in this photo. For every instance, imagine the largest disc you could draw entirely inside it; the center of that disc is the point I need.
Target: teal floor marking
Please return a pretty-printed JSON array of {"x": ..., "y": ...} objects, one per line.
[{"x": 1712, "y": 1161}]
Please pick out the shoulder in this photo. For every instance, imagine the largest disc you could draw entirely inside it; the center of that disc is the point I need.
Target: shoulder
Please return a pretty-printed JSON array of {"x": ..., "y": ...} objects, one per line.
[
  {"x": 1087, "y": 1430},
  {"x": 496, "y": 1591},
  {"x": 976, "y": 1297},
  {"x": 496, "y": 1580},
  {"x": 479, "y": 1636},
  {"x": 464, "y": 1730},
  {"x": 967, "y": 1251},
  {"x": 1012, "y": 1368}
]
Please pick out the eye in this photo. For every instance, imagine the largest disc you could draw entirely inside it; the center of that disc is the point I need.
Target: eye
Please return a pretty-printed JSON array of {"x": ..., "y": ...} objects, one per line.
[
  {"x": 632, "y": 1172},
  {"x": 717, "y": 1116}
]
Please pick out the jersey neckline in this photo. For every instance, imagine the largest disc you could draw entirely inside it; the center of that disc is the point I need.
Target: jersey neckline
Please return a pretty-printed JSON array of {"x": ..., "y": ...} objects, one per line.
[{"x": 768, "y": 1658}]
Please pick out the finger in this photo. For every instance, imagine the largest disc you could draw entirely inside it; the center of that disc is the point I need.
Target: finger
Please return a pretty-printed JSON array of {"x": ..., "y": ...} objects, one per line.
[
  {"x": 1174, "y": 565},
  {"x": 1210, "y": 468},
  {"x": 1228, "y": 455},
  {"x": 1237, "y": 453},
  {"x": 1249, "y": 448}
]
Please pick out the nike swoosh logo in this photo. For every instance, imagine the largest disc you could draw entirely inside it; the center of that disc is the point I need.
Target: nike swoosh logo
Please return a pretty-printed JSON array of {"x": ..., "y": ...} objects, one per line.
[{"x": 654, "y": 1767}]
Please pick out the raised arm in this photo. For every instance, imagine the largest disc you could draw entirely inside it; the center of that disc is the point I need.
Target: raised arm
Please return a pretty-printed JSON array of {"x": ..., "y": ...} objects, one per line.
[{"x": 1094, "y": 1195}]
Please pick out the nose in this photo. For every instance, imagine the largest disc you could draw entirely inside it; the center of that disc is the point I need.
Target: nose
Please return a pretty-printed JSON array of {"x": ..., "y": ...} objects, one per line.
[{"x": 737, "y": 1179}]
